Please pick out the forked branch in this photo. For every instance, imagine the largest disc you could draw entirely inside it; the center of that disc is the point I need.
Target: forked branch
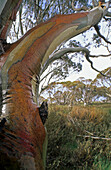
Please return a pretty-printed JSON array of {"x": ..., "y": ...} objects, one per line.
[
  {"x": 100, "y": 35},
  {"x": 64, "y": 51},
  {"x": 94, "y": 137},
  {"x": 84, "y": 8}
]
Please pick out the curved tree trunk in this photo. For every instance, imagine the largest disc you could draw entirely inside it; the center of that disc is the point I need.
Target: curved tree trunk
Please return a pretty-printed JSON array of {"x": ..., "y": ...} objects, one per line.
[
  {"x": 23, "y": 136},
  {"x": 8, "y": 10}
]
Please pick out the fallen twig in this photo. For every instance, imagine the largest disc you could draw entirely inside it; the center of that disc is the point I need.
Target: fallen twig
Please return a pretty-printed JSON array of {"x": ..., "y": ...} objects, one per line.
[{"x": 94, "y": 137}]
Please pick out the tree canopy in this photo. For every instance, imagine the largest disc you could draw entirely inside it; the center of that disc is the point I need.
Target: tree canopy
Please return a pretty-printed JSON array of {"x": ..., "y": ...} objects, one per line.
[{"x": 81, "y": 91}]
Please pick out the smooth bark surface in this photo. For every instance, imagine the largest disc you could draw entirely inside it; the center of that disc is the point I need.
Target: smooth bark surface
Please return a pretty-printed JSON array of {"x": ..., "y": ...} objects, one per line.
[{"x": 24, "y": 132}]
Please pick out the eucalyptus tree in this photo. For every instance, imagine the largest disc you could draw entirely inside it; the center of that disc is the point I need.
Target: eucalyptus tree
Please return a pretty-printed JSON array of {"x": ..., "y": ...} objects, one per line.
[
  {"x": 22, "y": 132},
  {"x": 104, "y": 83},
  {"x": 31, "y": 13}
]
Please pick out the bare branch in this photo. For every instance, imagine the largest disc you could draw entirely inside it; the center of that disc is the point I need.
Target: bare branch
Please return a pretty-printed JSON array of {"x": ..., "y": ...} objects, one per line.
[
  {"x": 60, "y": 53},
  {"x": 84, "y": 8},
  {"x": 98, "y": 32},
  {"x": 91, "y": 63},
  {"x": 49, "y": 73},
  {"x": 109, "y": 95},
  {"x": 95, "y": 3},
  {"x": 63, "y": 51},
  {"x": 101, "y": 55},
  {"x": 94, "y": 137}
]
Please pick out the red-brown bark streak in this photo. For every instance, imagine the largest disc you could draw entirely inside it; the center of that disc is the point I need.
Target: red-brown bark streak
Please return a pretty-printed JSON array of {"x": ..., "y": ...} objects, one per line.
[{"x": 19, "y": 84}]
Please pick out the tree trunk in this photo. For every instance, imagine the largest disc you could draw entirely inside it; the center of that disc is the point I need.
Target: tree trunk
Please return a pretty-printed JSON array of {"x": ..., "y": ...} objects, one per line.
[{"x": 23, "y": 136}]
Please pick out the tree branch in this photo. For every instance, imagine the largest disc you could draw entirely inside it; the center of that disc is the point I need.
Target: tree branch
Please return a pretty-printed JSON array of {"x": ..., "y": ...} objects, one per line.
[
  {"x": 98, "y": 32},
  {"x": 95, "y": 3},
  {"x": 96, "y": 56},
  {"x": 94, "y": 137},
  {"x": 109, "y": 95},
  {"x": 49, "y": 73},
  {"x": 91, "y": 63},
  {"x": 61, "y": 52},
  {"x": 84, "y": 8}
]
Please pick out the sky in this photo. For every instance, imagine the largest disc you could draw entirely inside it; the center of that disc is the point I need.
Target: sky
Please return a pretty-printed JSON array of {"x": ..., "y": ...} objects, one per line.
[
  {"x": 87, "y": 72},
  {"x": 99, "y": 63}
]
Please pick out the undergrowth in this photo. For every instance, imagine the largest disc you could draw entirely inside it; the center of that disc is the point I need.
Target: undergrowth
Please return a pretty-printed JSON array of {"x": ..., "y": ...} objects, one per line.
[{"x": 71, "y": 138}]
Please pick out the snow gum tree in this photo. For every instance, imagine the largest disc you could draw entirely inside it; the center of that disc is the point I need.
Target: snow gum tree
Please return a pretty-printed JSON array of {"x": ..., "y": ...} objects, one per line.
[{"x": 22, "y": 133}]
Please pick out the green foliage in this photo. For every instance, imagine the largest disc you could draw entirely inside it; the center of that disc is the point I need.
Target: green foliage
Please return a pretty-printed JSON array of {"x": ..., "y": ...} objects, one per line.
[
  {"x": 82, "y": 90},
  {"x": 70, "y": 143}
]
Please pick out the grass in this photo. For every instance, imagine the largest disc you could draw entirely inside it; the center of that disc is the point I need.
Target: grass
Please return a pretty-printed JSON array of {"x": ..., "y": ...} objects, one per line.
[{"x": 70, "y": 142}]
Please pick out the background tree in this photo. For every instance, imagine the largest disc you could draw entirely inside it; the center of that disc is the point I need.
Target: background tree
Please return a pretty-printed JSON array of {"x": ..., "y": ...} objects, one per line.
[
  {"x": 83, "y": 90},
  {"x": 104, "y": 83}
]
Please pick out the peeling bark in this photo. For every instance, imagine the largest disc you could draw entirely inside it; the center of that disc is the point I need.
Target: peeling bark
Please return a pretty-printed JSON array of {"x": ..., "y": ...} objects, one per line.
[{"x": 24, "y": 135}]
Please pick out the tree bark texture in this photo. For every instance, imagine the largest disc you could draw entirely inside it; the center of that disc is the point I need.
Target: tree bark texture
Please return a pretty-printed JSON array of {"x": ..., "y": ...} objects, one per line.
[{"x": 23, "y": 135}]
